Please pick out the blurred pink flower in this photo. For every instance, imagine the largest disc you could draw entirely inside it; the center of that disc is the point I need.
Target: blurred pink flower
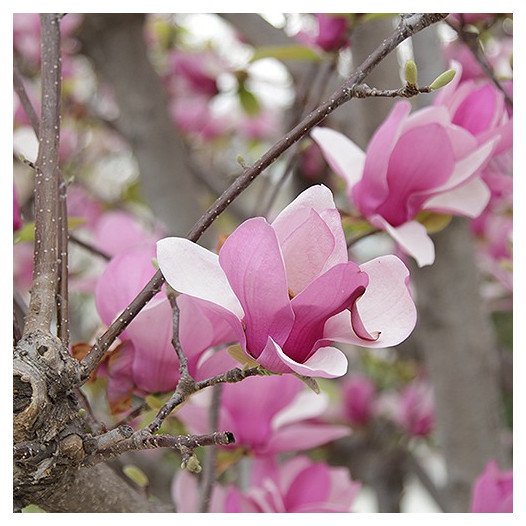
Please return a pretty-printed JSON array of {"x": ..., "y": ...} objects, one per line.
[
  {"x": 493, "y": 490},
  {"x": 413, "y": 163},
  {"x": 82, "y": 205},
  {"x": 286, "y": 290},
  {"x": 471, "y": 18},
  {"x": 359, "y": 394},
  {"x": 283, "y": 422},
  {"x": 299, "y": 485},
  {"x": 415, "y": 411},
  {"x": 331, "y": 33}
]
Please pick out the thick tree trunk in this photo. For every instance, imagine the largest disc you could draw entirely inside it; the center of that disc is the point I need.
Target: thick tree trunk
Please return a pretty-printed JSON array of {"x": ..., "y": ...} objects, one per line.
[{"x": 115, "y": 43}]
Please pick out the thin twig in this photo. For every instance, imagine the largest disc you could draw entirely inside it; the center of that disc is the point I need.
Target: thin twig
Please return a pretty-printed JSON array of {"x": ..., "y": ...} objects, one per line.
[
  {"x": 45, "y": 269},
  {"x": 209, "y": 468},
  {"x": 409, "y": 25},
  {"x": 472, "y": 42},
  {"x": 87, "y": 246},
  {"x": 29, "y": 110},
  {"x": 183, "y": 361}
]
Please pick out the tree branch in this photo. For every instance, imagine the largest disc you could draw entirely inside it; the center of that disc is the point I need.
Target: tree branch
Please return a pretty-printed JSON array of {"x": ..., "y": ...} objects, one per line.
[
  {"x": 409, "y": 25},
  {"x": 45, "y": 269}
]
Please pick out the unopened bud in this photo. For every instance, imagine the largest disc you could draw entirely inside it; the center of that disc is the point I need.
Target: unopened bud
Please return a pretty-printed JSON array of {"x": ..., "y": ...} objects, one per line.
[
  {"x": 411, "y": 73},
  {"x": 443, "y": 80},
  {"x": 192, "y": 464}
]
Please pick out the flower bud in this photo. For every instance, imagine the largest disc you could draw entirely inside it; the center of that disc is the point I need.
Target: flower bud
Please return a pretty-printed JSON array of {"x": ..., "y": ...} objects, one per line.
[
  {"x": 411, "y": 73},
  {"x": 443, "y": 80}
]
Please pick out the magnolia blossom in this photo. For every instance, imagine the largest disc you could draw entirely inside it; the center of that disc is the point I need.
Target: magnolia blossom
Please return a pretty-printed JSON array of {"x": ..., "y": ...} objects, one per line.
[
  {"x": 296, "y": 486},
  {"x": 359, "y": 395},
  {"x": 413, "y": 163},
  {"x": 493, "y": 491},
  {"x": 283, "y": 422},
  {"x": 414, "y": 410},
  {"x": 331, "y": 32},
  {"x": 479, "y": 108},
  {"x": 286, "y": 290}
]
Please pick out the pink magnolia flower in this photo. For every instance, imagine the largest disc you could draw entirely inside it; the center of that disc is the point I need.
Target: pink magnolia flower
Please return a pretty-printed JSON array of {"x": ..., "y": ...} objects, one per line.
[
  {"x": 297, "y": 486},
  {"x": 359, "y": 394},
  {"x": 17, "y": 219},
  {"x": 283, "y": 422},
  {"x": 331, "y": 32},
  {"x": 479, "y": 108},
  {"x": 286, "y": 290},
  {"x": 415, "y": 411},
  {"x": 493, "y": 490},
  {"x": 413, "y": 163},
  {"x": 82, "y": 205}
]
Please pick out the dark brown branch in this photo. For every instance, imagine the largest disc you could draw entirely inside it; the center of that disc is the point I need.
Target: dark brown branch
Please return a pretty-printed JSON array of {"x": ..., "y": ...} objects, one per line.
[
  {"x": 45, "y": 269},
  {"x": 363, "y": 91},
  {"x": 409, "y": 25},
  {"x": 141, "y": 440},
  {"x": 472, "y": 42}
]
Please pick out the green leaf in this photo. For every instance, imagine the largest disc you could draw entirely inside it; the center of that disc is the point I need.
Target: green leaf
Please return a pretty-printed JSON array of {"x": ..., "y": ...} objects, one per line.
[
  {"x": 248, "y": 100},
  {"x": 283, "y": 53},
  {"x": 136, "y": 474},
  {"x": 376, "y": 16},
  {"x": 32, "y": 508}
]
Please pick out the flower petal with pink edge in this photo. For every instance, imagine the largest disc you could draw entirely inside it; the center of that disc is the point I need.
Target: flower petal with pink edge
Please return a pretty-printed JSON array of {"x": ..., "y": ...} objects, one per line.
[
  {"x": 385, "y": 308},
  {"x": 299, "y": 437},
  {"x": 334, "y": 291},
  {"x": 468, "y": 200},
  {"x": 252, "y": 261},
  {"x": 372, "y": 188},
  {"x": 412, "y": 238},
  {"x": 344, "y": 157},
  {"x": 468, "y": 167},
  {"x": 193, "y": 270},
  {"x": 306, "y": 405}
]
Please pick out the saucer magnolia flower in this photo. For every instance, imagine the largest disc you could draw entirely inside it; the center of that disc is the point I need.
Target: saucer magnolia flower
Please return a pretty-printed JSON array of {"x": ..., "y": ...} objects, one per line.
[
  {"x": 296, "y": 486},
  {"x": 331, "y": 32},
  {"x": 493, "y": 491},
  {"x": 413, "y": 163},
  {"x": 479, "y": 108},
  {"x": 286, "y": 290},
  {"x": 359, "y": 395},
  {"x": 283, "y": 422},
  {"x": 415, "y": 411}
]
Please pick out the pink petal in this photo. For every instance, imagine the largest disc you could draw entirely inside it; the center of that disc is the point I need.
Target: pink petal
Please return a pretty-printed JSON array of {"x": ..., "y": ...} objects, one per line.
[
  {"x": 331, "y": 293},
  {"x": 326, "y": 362},
  {"x": 306, "y": 251},
  {"x": 468, "y": 166},
  {"x": 478, "y": 110},
  {"x": 124, "y": 277},
  {"x": 312, "y": 485},
  {"x": 203, "y": 324},
  {"x": 372, "y": 189},
  {"x": 306, "y": 405},
  {"x": 299, "y": 437},
  {"x": 412, "y": 238},
  {"x": 467, "y": 200},
  {"x": 193, "y": 270},
  {"x": 343, "y": 156},
  {"x": 386, "y": 307},
  {"x": 430, "y": 115},
  {"x": 421, "y": 160},
  {"x": 252, "y": 261},
  {"x": 155, "y": 363}
]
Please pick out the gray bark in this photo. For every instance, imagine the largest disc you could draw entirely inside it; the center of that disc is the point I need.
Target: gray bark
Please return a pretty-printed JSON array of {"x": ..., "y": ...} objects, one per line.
[{"x": 116, "y": 46}]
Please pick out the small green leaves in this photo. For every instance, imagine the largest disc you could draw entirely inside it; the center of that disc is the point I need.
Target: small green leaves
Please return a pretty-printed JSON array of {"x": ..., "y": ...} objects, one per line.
[
  {"x": 411, "y": 73},
  {"x": 240, "y": 356},
  {"x": 432, "y": 221},
  {"x": 136, "y": 474},
  {"x": 443, "y": 80},
  {"x": 248, "y": 101}
]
